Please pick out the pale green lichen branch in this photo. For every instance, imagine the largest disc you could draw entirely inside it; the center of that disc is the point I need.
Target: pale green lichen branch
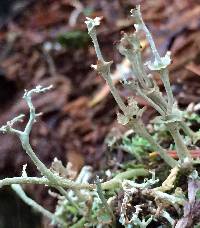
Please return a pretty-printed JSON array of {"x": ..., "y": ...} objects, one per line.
[
  {"x": 37, "y": 207},
  {"x": 130, "y": 47},
  {"x": 137, "y": 221},
  {"x": 150, "y": 101},
  {"x": 147, "y": 183},
  {"x": 146, "y": 189},
  {"x": 165, "y": 78},
  {"x": 136, "y": 13},
  {"x": 68, "y": 184},
  {"x": 139, "y": 128},
  {"x": 144, "y": 86},
  {"x": 181, "y": 148},
  {"x": 167, "y": 216},
  {"x": 165, "y": 197},
  {"x": 44, "y": 181},
  {"x": 8, "y": 128},
  {"x": 102, "y": 66},
  {"x": 28, "y": 98},
  {"x": 91, "y": 24},
  {"x": 195, "y": 136},
  {"x": 160, "y": 63},
  {"x": 129, "y": 111},
  {"x": 116, "y": 181},
  {"x": 104, "y": 201},
  {"x": 25, "y": 140}
]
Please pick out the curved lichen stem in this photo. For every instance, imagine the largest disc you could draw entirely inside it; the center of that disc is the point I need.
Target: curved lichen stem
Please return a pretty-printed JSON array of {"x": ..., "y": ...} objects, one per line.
[
  {"x": 68, "y": 184},
  {"x": 182, "y": 150},
  {"x": 165, "y": 79},
  {"x": 102, "y": 66},
  {"x": 37, "y": 207},
  {"x": 107, "y": 76},
  {"x": 195, "y": 136},
  {"x": 104, "y": 201},
  {"x": 117, "y": 180},
  {"x": 159, "y": 61},
  {"x": 141, "y": 25},
  {"x": 24, "y": 136},
  {"x": 139, "y": 128}
]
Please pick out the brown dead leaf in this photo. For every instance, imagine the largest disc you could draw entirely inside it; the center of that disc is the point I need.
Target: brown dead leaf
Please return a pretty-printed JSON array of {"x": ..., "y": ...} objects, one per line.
[
  {"x": 74, "y": 106},
  {"x": 124, "y": 66},
  {"x": 76, "y": 160},
  {"x": 194, "y": 68}
]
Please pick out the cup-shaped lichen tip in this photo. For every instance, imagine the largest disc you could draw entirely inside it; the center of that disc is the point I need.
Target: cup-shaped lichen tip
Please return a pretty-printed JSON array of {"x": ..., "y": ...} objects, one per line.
[{"x": 92, "y": 23}]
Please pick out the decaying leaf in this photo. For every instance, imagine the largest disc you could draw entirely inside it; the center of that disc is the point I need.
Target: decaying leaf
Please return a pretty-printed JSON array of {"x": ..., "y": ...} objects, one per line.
[{"x": 191, "y": 214}]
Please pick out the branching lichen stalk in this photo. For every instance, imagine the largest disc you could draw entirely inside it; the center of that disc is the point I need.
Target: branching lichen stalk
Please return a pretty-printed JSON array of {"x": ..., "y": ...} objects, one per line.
[
  {"x": 68, "y": 184},
  {"x": 140, "y": 129},
  {"x": 104, "y": 201},
  {"x": 104, "y": 69},
  {"x": 166, "y": 83},
  {"x": 181, "y": 148}
]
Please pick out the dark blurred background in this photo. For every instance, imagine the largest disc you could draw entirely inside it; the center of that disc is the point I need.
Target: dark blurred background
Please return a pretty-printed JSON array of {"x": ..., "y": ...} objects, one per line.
[{"x": 46, "y": 42}]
